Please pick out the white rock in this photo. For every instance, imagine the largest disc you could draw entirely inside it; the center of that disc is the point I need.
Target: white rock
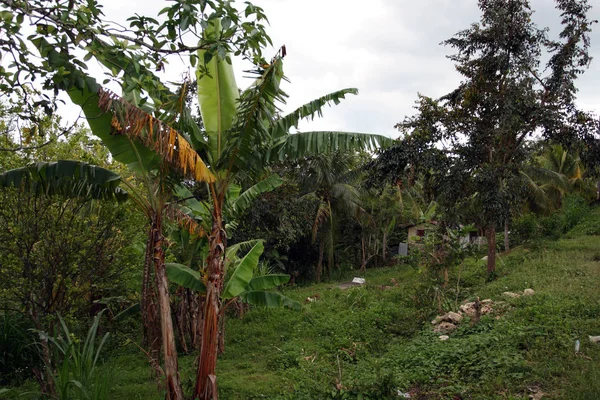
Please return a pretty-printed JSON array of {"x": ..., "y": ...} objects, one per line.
[
  {"x": 528, "y": 292},
  {"x": 594, "y": 339},
  {"x": 360, "y": 281},
  {"x": 487, "y": 302},
  {"x": 511, "y": 295},
  {"x": 469, "y": 309},
  {"x": 445, "y": 327},
  {"x": 444, "y": 337},
  {"x": 451, "y": 316}
]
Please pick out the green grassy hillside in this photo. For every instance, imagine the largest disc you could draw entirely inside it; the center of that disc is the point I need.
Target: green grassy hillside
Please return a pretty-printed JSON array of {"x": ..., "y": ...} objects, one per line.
[{"x": 377, "y": 342}]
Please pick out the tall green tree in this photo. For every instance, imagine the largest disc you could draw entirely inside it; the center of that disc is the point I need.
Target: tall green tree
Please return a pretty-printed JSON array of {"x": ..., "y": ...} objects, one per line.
[
  {"x": 505, "y": 97},
  {"x": 330, "y": 179}
]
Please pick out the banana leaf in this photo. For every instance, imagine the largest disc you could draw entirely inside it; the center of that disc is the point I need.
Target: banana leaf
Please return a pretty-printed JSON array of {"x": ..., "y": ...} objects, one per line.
[
  {"x": 66, "y": 178},
  {"x": 185, "y": 276},
  {"x": 242, "y": 275}
]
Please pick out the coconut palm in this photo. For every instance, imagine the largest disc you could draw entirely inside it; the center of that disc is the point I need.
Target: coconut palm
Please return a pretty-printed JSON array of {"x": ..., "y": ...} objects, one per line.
[
  {"x": 329, "y": 179},
  {"x": 554, "y": 173}
]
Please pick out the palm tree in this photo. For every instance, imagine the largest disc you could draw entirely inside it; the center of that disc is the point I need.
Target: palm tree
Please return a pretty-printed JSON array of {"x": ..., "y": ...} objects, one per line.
[
  {"x": 243, "y": 133},
  {"x": 555, "y": 173},
  {"x": 328, "y": 178}
]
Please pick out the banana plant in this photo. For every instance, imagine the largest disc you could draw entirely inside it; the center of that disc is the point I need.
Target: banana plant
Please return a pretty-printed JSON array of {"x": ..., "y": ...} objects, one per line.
[
  {"x": 241, "y": 282},
  {"x": 242, "y": 133}
]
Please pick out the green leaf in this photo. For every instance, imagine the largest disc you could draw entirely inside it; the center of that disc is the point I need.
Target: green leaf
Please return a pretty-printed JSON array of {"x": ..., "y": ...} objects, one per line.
[
  {"x": 231, "y": 254},
  {"x": 244, "y": 201},
  {"x": 270, "y": 299},
  {"x": 267, "y": 282},
  {"x": 307, "y": 111},
  {"x": 242, "y": 275},
  {"x": 217, "y": 96},
  {"x": 185, "y": 276},
  {"x": 129, "y": 311},
  {"x": 66, "y": 178},
  {"x": 307, "y": 144}
]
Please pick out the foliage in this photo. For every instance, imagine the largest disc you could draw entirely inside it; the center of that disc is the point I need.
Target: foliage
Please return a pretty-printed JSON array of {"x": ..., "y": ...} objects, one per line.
[
  {"x": 149, "y": 42},
  {"x": 77, "y": 375},
  {"x": 507, "y": 94},
  {"x": 284, "y": 220},
  {"x": 241, "y": 281},
  {"x": 531, "y": 227},
  {"x": 380, "y": 343},
  {"x": 18, "y": 353},
  {"x": 67, "y": 179}
]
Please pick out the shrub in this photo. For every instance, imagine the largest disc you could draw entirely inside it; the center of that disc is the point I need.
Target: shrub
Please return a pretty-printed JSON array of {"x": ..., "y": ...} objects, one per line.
[{"x": 18, "y": 353}]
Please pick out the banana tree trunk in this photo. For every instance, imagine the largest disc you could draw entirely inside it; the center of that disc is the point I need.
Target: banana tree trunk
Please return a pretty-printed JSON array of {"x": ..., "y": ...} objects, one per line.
[
  {"x": 182, "y": 311},
  {"x": 150, "y": 318},
  {"x": 198, "y": 321},
  {"x": 206, "y": 381},
  {"x": 491, "y": 242},
  {"x": 171, "y": 366}
]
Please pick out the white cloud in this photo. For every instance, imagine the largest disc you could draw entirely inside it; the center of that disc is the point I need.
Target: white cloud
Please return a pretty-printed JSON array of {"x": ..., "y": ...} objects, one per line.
[{"x": 388, "y": 49}]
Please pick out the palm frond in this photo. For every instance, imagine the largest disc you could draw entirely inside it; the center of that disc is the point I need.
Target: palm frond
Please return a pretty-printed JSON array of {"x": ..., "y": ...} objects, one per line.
[
  {"x": 537, "y": 194},
  {"x": 250, "y": 134},
  {"x": 347, "y": 196},
  {"x": 171, "y": 105},
  {"x": 231, "y": 254},
  {"x": 323, "y": 213},
  {"x": 176, "y": 214},
  {"x": 308, "y": 111}
]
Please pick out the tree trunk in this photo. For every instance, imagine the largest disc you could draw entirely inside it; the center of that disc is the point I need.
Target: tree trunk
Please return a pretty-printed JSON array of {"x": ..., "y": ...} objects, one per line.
[
  {"x": 320, "y": 262},
  {"x": 506, "y": 239},
  {"x": 199, "y": 321},
  {"x": 363, "y": 264},
  {"x": 206, "y": 381},
  {"x": 174, "y": 391},
  {"x": 491, "y": 242},
  {"x": 42, "y": 374},
  {"x": 150, "y": 318},
  {"x": 221, "y": 347},
  {"x": 182, "y": 311},
  {"x": 384, "y": 248}
]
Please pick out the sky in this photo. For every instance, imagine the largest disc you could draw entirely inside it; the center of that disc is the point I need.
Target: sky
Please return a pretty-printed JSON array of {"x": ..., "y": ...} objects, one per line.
[{"x": 389, "y": 50}]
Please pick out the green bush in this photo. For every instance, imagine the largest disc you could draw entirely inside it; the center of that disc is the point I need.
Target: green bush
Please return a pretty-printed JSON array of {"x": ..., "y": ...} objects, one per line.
[
  {"x": 574, "y": 209},
  {"x": 531, "y": 227},
  {"x": 524, "y": 229},
  {"x": 18, "y": 352}
]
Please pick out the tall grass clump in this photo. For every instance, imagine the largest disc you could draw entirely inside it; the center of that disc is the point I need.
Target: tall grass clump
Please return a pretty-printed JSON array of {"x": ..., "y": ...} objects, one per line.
[{"x": 76, "y": 376}]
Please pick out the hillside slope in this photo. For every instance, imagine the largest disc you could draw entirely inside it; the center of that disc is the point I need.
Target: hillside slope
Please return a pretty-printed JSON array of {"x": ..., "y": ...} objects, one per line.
[{"x": 377, "y": 342}]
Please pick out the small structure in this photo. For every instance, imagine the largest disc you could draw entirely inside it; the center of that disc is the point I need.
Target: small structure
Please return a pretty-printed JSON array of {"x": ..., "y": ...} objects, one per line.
[
  {"x": 474, "y": 237},
  {"x": 403, "y": 249},
  {"x": 417, "y": 232}
]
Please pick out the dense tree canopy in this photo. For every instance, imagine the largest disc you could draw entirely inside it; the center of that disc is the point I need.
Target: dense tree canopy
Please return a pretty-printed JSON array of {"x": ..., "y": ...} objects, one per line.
[{"x": 506, "y": 97}]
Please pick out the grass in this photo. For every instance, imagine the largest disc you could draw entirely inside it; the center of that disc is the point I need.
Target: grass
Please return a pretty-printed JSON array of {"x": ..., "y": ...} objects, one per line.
[{"x": 373, "y": 342}]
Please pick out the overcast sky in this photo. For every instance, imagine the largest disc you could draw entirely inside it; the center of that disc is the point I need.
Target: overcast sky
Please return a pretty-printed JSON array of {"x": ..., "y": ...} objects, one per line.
[{"x": 388, "y": 49}]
